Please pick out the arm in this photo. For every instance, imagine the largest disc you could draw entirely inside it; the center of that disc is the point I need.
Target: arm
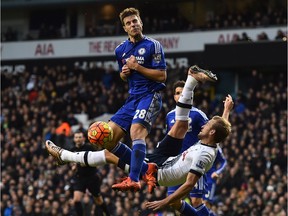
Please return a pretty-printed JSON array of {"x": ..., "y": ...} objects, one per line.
[
  {"x": 153, "y": 74},
  {"x": 228, "y": 105},
  {"x": 74, "y": 167},
  {"x": 191, "y": 180}
]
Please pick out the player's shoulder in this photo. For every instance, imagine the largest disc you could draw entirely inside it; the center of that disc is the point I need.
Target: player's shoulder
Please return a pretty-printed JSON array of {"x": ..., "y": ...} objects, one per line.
[
  {"x": 121, "y": 46},
  {"x": 153, "y": 42},
  {"x": 171, "y": 112},
  {"x": 150, "y": 39},
  {"x": 196, "y": 111},
  {"x": 207, "y": 148},
  {"x": 200, "y": 150},
  {"x": 220, "y": 152}
]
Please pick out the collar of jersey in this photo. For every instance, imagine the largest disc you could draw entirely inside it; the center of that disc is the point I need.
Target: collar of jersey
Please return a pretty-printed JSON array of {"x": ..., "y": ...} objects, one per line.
[
  {"x": 144, "y": 37},
  {"x": 212, "y": 146}
]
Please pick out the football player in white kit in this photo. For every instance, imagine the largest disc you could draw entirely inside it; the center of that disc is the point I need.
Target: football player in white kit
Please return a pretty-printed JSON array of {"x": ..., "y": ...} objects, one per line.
[
  {"x": 185, "y": 168},
  {"x": 188, "y": 167}
]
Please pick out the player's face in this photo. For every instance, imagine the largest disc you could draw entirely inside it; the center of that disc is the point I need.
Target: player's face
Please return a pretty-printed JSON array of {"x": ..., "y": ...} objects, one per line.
[
  {"x": 177, "y": 93},
  {"x": 205, "y": 130},
  {"x": 133, "y": 25}
]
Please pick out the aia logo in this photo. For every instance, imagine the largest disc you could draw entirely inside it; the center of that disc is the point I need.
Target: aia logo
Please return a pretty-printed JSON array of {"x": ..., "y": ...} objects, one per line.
[{"x": 44, "y": 50}]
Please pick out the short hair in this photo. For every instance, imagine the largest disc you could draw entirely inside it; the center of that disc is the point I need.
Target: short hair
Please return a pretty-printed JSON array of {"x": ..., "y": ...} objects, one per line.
[
  {"x": 128, "y": 12},
  {"x": 222, "y": 128},
  {"x": 79, "y": 131},
  {"x": 179, "y": 83}
]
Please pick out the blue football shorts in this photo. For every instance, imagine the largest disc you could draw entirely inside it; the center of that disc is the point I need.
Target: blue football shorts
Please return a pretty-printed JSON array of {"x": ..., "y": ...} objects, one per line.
[{"x": 142, "y": 109}]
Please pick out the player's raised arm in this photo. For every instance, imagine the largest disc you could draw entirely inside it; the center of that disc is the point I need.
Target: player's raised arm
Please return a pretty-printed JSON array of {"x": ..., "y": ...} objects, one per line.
[{"x": 228, "y": 106}]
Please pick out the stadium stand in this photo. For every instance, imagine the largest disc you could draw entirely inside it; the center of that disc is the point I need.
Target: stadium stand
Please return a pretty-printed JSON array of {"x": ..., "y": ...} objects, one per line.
[
  {"x": 158, "y": 18},
  {"x": 257, "y": 150}
]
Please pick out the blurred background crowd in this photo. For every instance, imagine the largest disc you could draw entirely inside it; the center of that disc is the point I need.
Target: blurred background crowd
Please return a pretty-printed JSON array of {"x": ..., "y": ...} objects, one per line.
[
  {"x": 158, "y": 18},
  {"x": 35, "y": 103}
]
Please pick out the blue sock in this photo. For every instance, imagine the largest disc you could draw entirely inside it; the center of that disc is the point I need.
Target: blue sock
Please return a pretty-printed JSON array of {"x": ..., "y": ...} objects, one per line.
[
  {"x": 187, "y": 209},
  {"x": 123, "y": 152},
  {"x": 144, "y": 168},
  {"x": 137, "y": 158},
  {"x": 202, "y": 210}
]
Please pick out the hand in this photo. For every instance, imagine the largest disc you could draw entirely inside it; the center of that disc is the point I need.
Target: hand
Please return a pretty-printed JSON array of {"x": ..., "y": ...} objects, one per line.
[
  {"x": 156, "y": 205},
  {"x": 74, "y": 167},
  {"x": 131, "y": 62},
  {"x": 125, "y": 70},
  {"x": 228, "y": 103},
  {"x": 214, "y": 175}
]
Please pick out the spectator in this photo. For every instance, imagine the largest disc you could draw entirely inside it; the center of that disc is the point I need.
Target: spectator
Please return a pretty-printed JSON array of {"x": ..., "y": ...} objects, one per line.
[
  {"x": 280, "y": 35},
  {"x": 258, "y": 143}
]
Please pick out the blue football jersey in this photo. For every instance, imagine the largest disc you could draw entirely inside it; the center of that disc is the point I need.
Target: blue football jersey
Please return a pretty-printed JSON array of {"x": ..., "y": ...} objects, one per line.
[
  {"x": 197, "y": 119},
  {"x": 210, "y": 186},
  {"x": 149, "y": 53},
  {"x": 220, "y": 159}
]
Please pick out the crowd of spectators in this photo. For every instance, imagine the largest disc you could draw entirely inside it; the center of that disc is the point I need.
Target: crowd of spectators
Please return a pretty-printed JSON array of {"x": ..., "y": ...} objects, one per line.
[
  {"x": 247, "y": 19},
  {"x": 34, "y": 104},
  {"x": 160, "y": 23}
]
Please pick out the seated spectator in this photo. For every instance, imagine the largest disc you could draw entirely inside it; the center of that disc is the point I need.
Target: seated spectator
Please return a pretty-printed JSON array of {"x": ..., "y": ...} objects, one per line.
[
  {"x": 281, "y": 36},
  {"x": 262, "y": 37}
]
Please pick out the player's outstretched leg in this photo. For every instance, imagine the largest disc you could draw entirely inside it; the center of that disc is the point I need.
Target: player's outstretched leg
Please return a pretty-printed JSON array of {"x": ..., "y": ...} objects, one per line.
[
  {"x": 85, "y": 158},
  {"x": 150, "y": 176},
  {"x": 127, "y": 185},
  {"x": 55, "y": 151},
  {"x": 202, "y": 75}
]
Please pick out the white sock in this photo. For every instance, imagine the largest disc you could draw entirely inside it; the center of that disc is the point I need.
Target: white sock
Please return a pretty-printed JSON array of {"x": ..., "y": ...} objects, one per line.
[
  {"x": 182, "y": 113},
  {"x": 93, "y": 158},
  {"x": 187, "y": 93}
]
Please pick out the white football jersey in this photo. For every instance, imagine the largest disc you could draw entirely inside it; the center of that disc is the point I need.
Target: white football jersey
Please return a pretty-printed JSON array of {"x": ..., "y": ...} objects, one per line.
[{"x": 199, "y": 158}]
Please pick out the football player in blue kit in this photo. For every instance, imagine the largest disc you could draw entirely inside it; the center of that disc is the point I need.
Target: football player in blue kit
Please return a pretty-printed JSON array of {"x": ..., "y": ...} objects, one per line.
[
  {"x": 142, "y": 64},
  {"x": 211, "y": 177}
]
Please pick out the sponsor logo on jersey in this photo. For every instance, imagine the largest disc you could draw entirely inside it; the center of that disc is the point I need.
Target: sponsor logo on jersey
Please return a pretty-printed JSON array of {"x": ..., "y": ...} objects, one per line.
[
  {"x": 140, "y": 59},
  {"x": 200, "y": 164}
]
